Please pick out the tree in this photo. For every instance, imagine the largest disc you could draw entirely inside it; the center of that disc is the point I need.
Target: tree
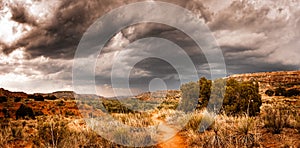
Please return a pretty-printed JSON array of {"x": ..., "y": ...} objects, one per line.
[
  {"x": 250, "y": 100},
  {"x": 217, "y": 95},
  {"x": 241, "y": 97},
  {"x": 232, "y": 96},
  {"x": 204, "y": 92}
]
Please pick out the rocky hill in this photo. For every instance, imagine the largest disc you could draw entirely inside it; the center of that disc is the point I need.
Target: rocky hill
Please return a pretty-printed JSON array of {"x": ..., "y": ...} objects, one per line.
[
  {"x": 69, "y": 95},
  {"x": 59, "y": 94},
  {"x": 169, "y": 94},
  {"x": 9, "y": 94},
  {"x": 271, "y": 79}
]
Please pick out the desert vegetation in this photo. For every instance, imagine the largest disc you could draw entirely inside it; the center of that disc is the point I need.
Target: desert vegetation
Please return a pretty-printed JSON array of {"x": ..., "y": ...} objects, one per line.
[{"x": 164, "y": 119}]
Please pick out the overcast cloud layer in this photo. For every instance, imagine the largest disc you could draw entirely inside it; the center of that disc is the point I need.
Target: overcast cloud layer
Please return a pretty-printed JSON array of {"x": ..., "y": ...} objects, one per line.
[{"x": 38, "y": 40}]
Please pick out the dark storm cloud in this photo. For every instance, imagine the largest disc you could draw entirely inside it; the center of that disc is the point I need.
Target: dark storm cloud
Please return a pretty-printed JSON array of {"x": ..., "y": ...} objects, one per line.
[
  {"x": 252, "y": 37},
  {"x": 239, "y": 15},
  {"x": 235, "y": 49},
  {"x": 59, "y": 37},
  {"x": 21, "y": 15},
  {"x": 253, "y": 65}
]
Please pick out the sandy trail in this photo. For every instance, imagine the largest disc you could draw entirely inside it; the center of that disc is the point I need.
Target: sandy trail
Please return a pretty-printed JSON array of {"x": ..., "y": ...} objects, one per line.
[{"x": 166, "y": 132}]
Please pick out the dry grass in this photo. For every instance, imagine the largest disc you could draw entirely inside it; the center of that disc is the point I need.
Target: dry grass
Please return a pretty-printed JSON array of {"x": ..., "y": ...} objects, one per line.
[
  {"x": 135, "y": 119},
  {"x": 138, "y": 129},
  {"x": 5, "y": 136},
  {"x": 280, "y": 116},
  {"x": 226, "y": 131}
]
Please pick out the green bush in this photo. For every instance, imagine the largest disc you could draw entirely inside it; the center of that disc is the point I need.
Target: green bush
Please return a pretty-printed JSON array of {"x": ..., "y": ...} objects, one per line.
[
  {"x": 241, "y": 98},
  {"x": 115, "y": 106},
  {"x": 204, "y": 92},
  {"x": 236, "y": 97}
]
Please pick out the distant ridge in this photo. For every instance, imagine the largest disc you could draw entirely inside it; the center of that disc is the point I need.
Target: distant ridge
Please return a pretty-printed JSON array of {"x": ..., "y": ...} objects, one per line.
[
  {"x": 265, "y": 79},
  {"x": 57, "y": 94},
  {"x": 7, "y": 93},
  {"x": 270, "y": 79}
]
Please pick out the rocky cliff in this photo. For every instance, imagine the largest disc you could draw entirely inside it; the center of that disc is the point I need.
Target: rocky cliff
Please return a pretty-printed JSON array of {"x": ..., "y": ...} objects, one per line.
[{"x": 271, "y": 79}]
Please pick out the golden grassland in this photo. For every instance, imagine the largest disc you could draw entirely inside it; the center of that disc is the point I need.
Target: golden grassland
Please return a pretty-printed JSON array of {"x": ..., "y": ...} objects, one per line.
[{"x": 278, "y": 125}]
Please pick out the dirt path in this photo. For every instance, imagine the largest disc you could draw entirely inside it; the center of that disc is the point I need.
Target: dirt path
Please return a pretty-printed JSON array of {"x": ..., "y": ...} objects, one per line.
[
  {"x": 176, "y": 142},
  {"x": 166, "y": 133}
]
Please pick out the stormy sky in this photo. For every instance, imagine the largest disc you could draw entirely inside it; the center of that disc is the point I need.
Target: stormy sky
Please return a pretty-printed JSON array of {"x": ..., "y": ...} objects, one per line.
[{"x": 39, "y": 38}]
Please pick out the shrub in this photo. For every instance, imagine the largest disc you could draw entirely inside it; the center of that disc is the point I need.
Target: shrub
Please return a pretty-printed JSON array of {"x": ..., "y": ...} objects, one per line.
[
  {"x": 17, "y": 99},
  {"x": 239, "y": 97},
  {"x": 52, "y": 130},
  {"x": 17, "y": 132},
  {"x": 280, "y": 91},
  {"x": 275, "y": 118},
  {"x": 242, "y": 97},
  {"x": 38, "y": 98},
  {"x": 24, "y": 111},
  {"x": 297, "y": 122},
  {"x": 3, "y": 99},
  {"x": 6, "y": 113},
  {"x": 70, "y": 113},
  {"x": 194, "y": 122},
  {"x": 243, "y": 135},
  {"x": 5, "y": 136},
  {"x": 292, "y": 92},
  {"x": 113, "y": 106},
  {"x": 215, "y": 141},
  {"x": 270, "y": 92},
  {"x": 61, "y": 103},
  {"x": 38, "y": 113},
  {"x": 51, "y": 97}
]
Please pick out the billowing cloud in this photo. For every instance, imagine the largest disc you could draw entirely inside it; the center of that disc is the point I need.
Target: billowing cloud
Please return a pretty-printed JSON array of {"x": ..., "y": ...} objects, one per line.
[{"x": 38, "y": 40}]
